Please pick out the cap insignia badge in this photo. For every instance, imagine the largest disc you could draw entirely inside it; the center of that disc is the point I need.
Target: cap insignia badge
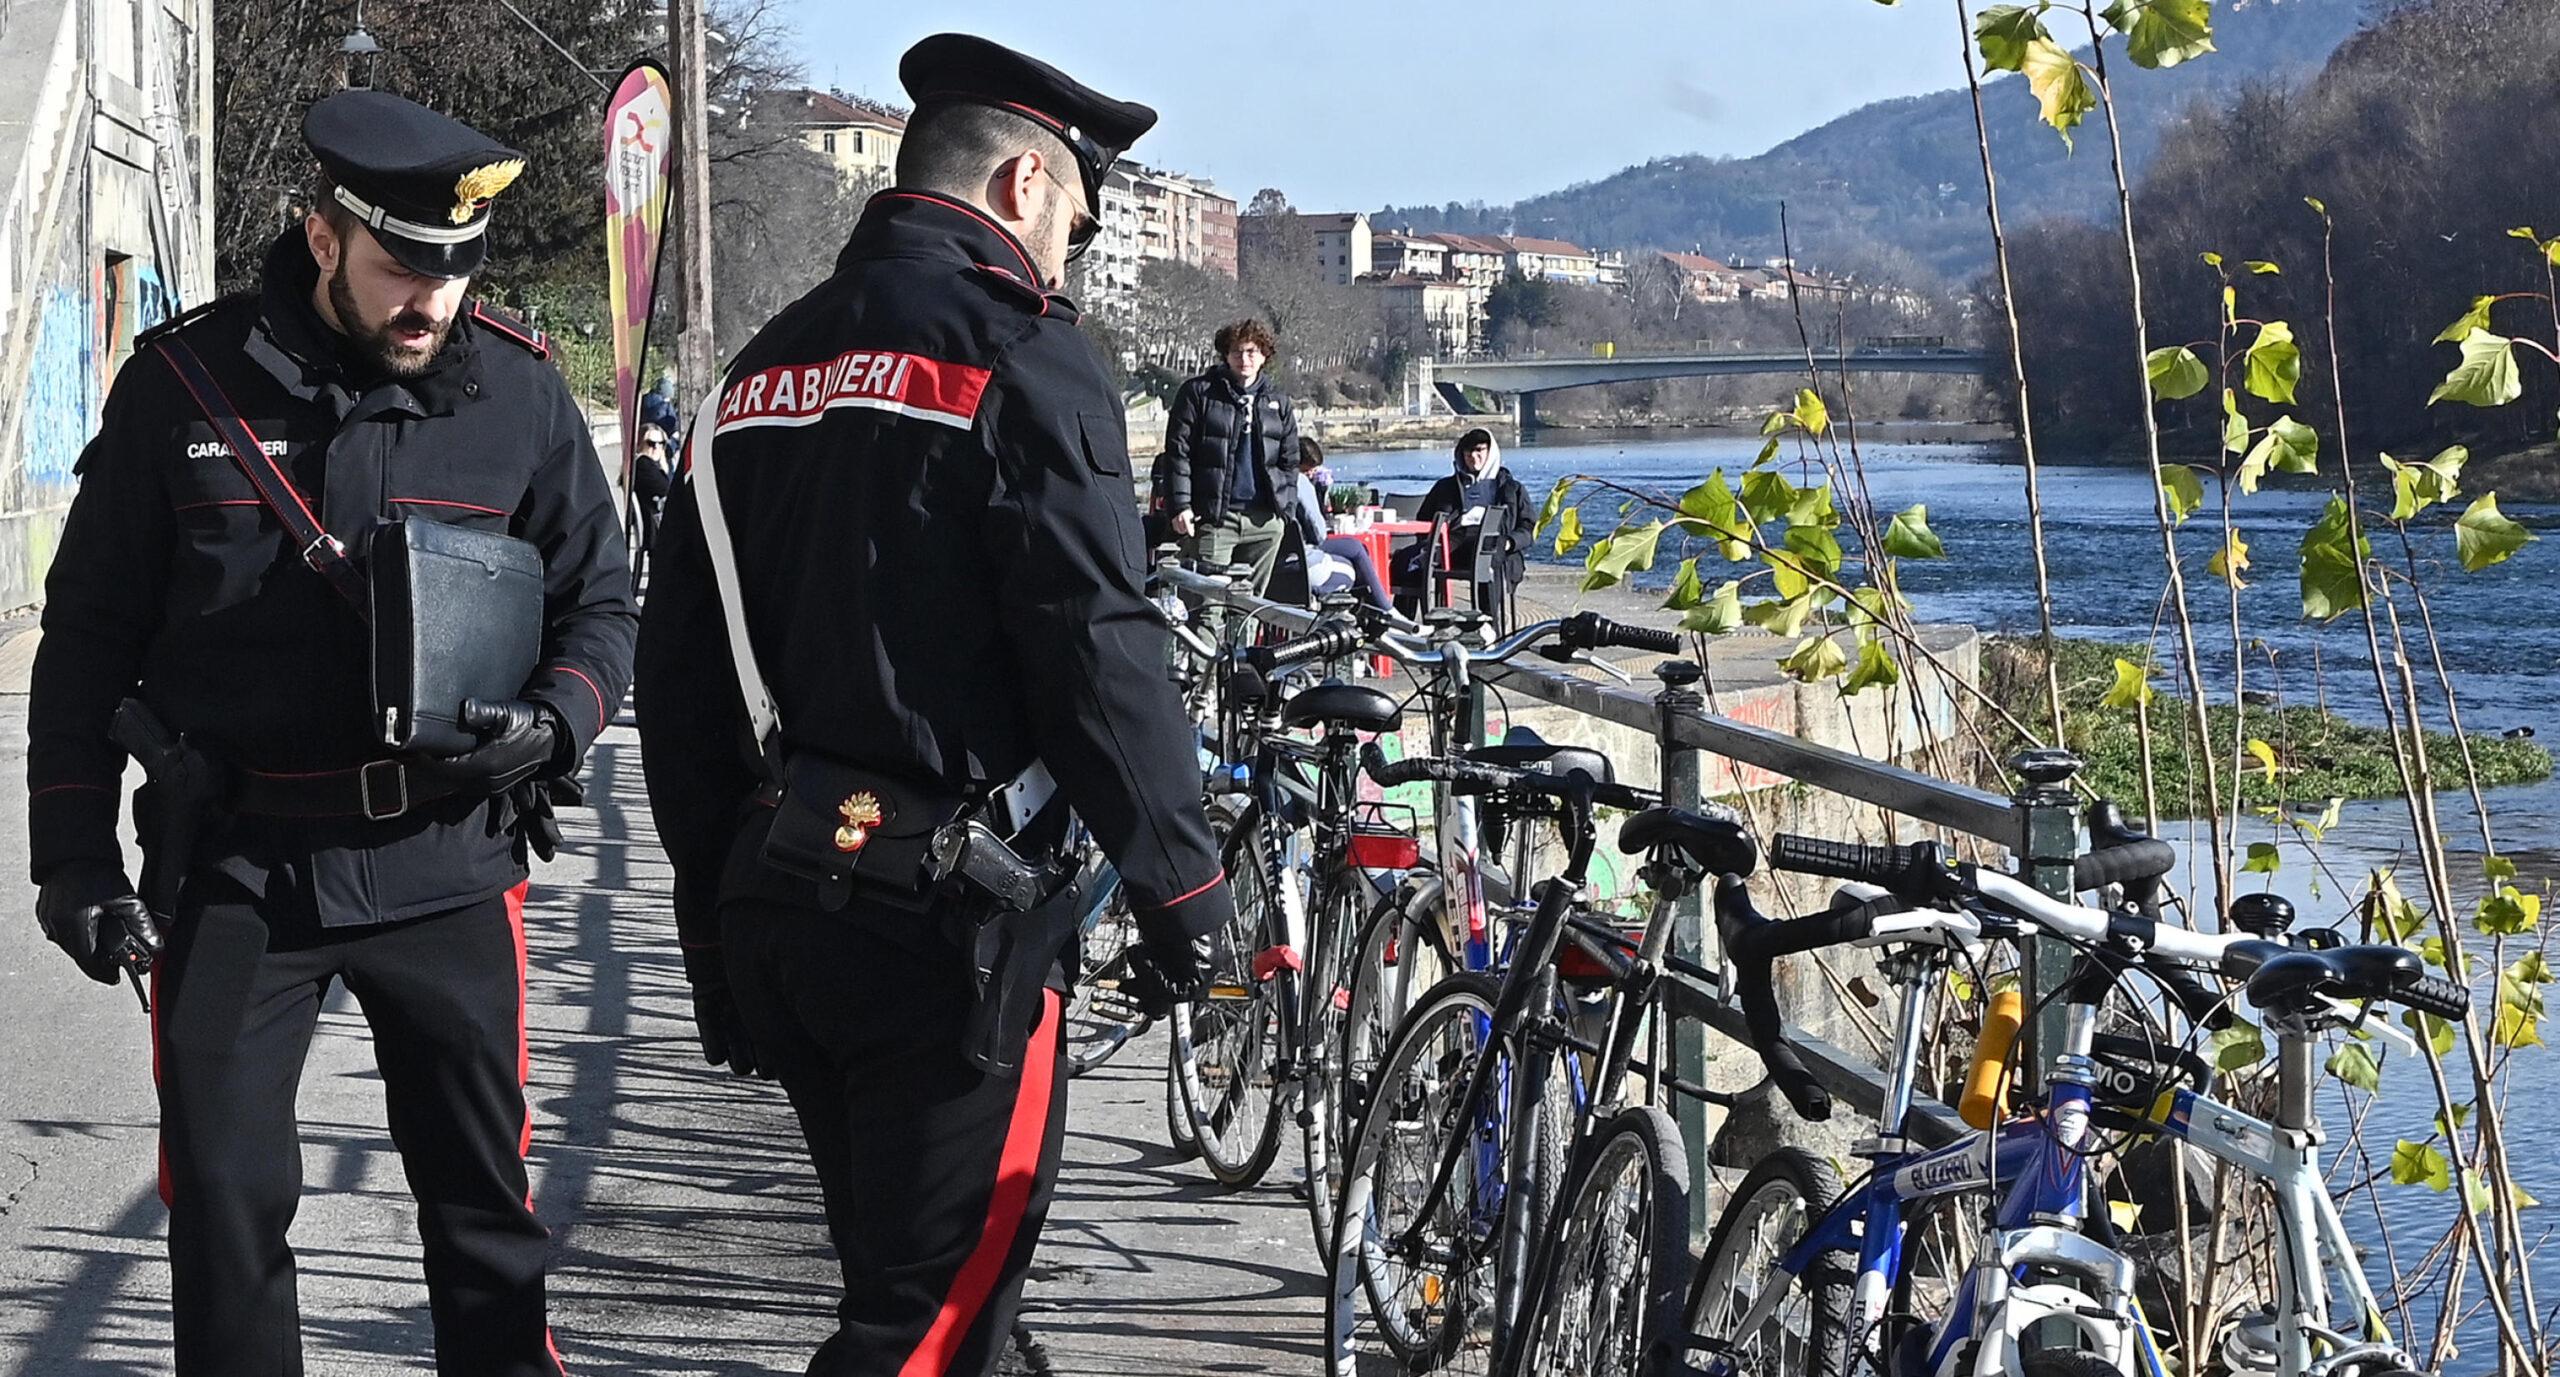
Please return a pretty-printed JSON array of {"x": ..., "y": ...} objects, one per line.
[
  {"x": 476, "y": 188},
  {"x": 859, "y": 813}
]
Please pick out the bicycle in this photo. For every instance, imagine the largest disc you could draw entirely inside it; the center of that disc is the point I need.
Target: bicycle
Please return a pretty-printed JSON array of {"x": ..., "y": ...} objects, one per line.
[{"x": 1802, "y": 1276}]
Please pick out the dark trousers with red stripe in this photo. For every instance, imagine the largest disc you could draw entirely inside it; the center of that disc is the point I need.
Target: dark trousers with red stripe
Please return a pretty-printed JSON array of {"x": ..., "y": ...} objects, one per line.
[
  {"x": 936, "y": 1176},
  {"x": 239, "y": 995}
]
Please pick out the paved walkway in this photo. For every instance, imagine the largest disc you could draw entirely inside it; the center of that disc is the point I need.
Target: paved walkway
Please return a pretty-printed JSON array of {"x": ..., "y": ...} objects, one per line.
[{"x": 687, "y": 1231}]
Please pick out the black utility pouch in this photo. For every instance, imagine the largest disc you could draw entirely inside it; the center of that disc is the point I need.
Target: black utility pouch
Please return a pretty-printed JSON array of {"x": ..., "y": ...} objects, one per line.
[{"x": 857, "y": 832}]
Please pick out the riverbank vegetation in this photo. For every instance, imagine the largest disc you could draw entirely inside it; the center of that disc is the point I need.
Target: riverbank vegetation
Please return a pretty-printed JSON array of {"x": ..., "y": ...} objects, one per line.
[{"x": 2316, "y": 754}]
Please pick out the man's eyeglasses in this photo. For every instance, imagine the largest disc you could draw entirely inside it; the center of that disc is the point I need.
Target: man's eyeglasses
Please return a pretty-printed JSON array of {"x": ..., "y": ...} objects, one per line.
[{"x": 1080, "y": 236}]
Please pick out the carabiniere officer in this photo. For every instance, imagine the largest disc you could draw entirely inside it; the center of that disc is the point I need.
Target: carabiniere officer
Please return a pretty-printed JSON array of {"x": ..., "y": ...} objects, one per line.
[
  {"x": 379, "y": 390},
  {"x": 924, "y": 474}
]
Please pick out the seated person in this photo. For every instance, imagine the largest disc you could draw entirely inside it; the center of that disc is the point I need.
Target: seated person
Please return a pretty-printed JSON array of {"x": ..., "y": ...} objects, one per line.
[
  {"x": 1334, "y": 562},
  {"x": 1464, "y": 500}
]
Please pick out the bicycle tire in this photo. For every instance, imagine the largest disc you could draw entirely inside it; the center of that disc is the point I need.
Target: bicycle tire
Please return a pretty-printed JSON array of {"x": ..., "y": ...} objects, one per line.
[
  {"x": 1321, "y": 1125},
  {"x": 1422, "y": 1313},
  {"x": 1098, "y": 1020},
  {"x": 2064, "y": 1362},
  {"x": 1383, "y": 990},
  {"x": 1231, "y": 1089},
  {"x": 1611, "y": 1280},
  {"x": 1177, "y": 1110},
  {"x": 1777, "y": 1201}
]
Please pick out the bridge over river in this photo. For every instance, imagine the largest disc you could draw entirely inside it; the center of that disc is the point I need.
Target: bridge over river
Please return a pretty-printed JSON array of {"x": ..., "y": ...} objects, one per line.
[{"x": 1526, "y": 378}]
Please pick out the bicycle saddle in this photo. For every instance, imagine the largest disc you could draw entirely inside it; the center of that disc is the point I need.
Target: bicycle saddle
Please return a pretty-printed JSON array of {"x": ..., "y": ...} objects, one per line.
[
  {"x": 1350, "y": 705},
  {"x": 2291, "y": 981},
  {"x": 1717, "y": 845},
  {"x": 1523, "y": 749}
]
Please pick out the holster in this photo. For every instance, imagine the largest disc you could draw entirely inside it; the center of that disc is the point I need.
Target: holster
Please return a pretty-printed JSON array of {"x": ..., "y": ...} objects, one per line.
[
  {"x": 1011, "y": 954},
  {"x": 174, "y": 810}
]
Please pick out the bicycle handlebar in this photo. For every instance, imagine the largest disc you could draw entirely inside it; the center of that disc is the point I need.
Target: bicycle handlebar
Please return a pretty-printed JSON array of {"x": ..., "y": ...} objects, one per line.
[
  {"x": 1753, "y": 942},
  {"x": 1333, "y": 643},
  {"x": 1476, "y": 777},
  {"x": 1917, "y": 870}
]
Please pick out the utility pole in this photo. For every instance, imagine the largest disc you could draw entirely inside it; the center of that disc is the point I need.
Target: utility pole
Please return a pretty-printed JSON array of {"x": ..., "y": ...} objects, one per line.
[{"x": 695, "y": 376}]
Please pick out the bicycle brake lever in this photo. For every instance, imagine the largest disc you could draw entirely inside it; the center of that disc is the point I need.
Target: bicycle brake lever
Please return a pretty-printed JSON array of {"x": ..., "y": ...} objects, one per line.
[
  {"x": 2382, "y": 1027},
  {"x": 1583, "y": 657}
]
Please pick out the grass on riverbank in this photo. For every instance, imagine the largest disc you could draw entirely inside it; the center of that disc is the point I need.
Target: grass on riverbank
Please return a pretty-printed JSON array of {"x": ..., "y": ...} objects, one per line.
[{"x": 2319, "y": 755}]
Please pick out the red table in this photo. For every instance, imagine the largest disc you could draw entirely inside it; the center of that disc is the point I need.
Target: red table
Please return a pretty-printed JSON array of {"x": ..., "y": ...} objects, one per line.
[{"x": 1380, "y": 540}]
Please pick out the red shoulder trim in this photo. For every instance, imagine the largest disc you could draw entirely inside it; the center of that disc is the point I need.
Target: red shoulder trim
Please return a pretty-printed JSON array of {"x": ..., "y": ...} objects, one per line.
[{"x": 534, "y": 341}]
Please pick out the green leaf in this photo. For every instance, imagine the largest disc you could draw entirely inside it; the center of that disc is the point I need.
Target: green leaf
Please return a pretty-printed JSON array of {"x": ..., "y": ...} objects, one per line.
[
  {"x": 1908, "y": 535},
  {"x": 2475, "y": 1195},
  {"x": 1813, "y": 507},
  {"x": 1719, "y": 614},
  {"x": 2265, "y": 755},
  {"x": 2354, "y": 1065},
  {"x": 2461, "y": 1112},
  {"x": 1779, "y": 616},
  {"x": 1569, "y": 530},
  {"x": 2061, "y": 87},
  {"x": 1712, "y": 504},
  {"x": 1816, "y": 547},
  {"x": 2432, "y": 951},
  {"x": 1815, "y": 658},
  {"x": 2318, "y": 206},
  {"x": 1633, "y": 549},
  {"x": 2332, "y": 565},
  {"x": 2519, "y": 1020},
  {"x": 2274, "y": 364},
  {"x": 1768, "y": 451},
  {"x": 2497, "y": 868},
  {"x": 2163, "y": 33},
  {"x": 2388, "y": 909},
  {"x": 2263, "y": 859},
  {"x": 2533, "y": 968},
  {"x": 1555, "y": 502},
  {"x": 2437, "y": 1035},
  {"x": 2416, "y": 487},
  {"x": 1788, "y": 577},
  {"x": 2288, "y": 446},
  {"x": 1686, "y": 592},
  {"x": 2477, "y": 318},
  {"x": 2485, "y": 377},
  {"x": 2484, "y": 536},
  {"x": 2417, "y": 1164},
  {"x": 2132, "y": 686},
  {"x": 2508, "y": 911},
  {"x": 1767, "y": 495},
  {"x": 2236, "y": 1048},
  {"x": 2263, "y": 268},
  {"x": 1870, "y": 611},
  {"x": 2235, "y": 427},
  {"x": 2184, "y": 486},
  {"x": 2228, "y": 561},
  {"x": 1876, "y": 669},
  {"x": 1810, "y": 412},
  {"x": 2177, "y": 374},
  {"x": 2211, "y": 259},
  {"x": 1772, "y": 427},
  {"x": 2004, "y": 31}
]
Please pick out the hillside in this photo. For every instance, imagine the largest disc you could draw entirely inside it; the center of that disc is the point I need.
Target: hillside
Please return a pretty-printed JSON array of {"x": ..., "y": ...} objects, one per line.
[{"x": 1898, "y": 184}]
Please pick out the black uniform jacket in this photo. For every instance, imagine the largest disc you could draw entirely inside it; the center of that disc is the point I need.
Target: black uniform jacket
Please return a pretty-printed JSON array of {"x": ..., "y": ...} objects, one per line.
[
  {"x": 173, "y": 583},
  {"x": 926, "y": 479},
  {"x": 1201, "y": 430}
]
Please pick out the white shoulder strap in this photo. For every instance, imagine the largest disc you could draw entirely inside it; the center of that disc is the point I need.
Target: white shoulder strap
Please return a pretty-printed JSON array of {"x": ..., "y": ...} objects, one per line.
[{"x": 724, "y": 572}]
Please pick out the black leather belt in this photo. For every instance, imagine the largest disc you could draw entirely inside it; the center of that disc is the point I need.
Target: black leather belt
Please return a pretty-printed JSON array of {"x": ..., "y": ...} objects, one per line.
[{"x": 378, "y": 791}]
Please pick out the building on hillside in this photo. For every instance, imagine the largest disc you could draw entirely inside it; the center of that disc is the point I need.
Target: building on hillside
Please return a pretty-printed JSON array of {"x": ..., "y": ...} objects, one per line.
[
  {"x": 1551, "y": 260},
  {"x": 1345, "y": 248},
  {"x": 1393, "y": 254},
  {"x": 1440, "y": 315},
  {"x": 859, "y": 137},
  {"x": 1477, "y": 261},
  {"x": 1611, "y": 267},
  {"x": 106, "y": 151},
  {"x": 1703, "y": 279}
]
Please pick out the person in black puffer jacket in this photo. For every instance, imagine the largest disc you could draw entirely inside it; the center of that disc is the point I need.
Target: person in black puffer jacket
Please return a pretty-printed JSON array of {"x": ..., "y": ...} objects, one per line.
[
  {"x": 1232, "y": 440},
  {"x": 1478, "y": 488}
]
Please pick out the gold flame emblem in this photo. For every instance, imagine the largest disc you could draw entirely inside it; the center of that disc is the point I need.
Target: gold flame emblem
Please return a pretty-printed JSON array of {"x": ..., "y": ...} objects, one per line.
[
  {"x": 859, "y": 813},
  {"x": 476, "y": 188}
]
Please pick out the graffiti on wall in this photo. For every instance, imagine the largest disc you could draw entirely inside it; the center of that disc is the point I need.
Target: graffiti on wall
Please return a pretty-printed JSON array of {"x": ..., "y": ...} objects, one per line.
[{"x": 62, "y": 396}]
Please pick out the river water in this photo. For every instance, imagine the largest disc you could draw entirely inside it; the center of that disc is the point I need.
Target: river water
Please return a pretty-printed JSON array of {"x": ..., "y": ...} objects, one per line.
[{"x": 2500, "y": 630}]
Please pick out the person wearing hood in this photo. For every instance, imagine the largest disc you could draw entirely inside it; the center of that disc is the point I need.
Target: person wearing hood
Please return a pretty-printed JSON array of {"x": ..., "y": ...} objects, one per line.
[
  {"x": 1466, "y": 499},
  {"x": 1232, "y": 442}
]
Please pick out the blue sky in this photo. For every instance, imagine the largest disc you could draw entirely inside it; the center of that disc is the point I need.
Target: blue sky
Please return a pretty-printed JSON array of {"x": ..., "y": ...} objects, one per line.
[{"x": 1351, "y": 106}]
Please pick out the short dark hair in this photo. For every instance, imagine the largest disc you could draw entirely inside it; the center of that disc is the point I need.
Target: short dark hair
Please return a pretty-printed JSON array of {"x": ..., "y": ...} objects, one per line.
[
  {"x": 1475, "y": 439},
  {"x": 1310, "y": 453},
  {"x": 1244, "y": 332},
  {"x": 326, "y": 205},
  {"x": 953, "y": 148}
]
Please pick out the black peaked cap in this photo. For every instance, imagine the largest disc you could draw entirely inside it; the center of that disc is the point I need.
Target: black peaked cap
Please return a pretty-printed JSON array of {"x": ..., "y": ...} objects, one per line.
[
  {"x": 964, "y": 68},
  {"x": 421, "y": 181}
]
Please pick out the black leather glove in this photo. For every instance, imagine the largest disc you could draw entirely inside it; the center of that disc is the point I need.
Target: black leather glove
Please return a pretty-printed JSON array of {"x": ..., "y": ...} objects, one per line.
[
  {"x": 1165, "y": 971},
  {"x": 89, "y": 909},
  {"x": 517, "y": 740},
  {"x": 715, "y": 1016}
]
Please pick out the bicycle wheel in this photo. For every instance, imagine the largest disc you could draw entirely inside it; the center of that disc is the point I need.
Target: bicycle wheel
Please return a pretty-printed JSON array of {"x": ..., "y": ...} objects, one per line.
[
  {"x": 1231, "y": 1086},
  {"x": 1611, "y": 1282},
  {"x": 1100, "y": 1020},
  {"x": 1389, "y": 965},
  {"x": 1806, "y": 1335},
  {"x": 1322, "y": 1124},
  {"x": 1424, "y": 1262},
  {"x": 1177, "y": 1109}
]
